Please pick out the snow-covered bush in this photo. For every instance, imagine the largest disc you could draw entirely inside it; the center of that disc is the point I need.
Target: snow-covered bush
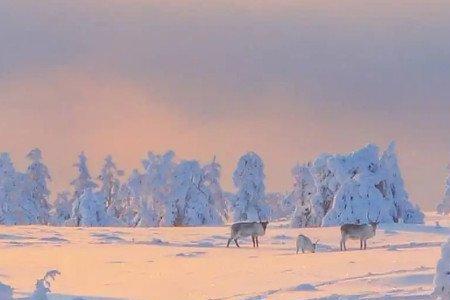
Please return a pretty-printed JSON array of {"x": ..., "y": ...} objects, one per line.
[
  {"x": 43, "y": 285},
  {"x": 6, "y": 292},
  {"x": 249, "y": 203},
  {"x": 443, "y": 208},
  {"x": 442, "y": 278},
  {"x": 304, "y": 190}
]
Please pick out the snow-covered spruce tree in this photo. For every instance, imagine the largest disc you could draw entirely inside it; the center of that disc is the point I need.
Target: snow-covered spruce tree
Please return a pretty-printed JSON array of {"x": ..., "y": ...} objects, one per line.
[
  {"x": 326, "y": 185},
  {"x": 83, "y": 180},
  {"x": 357, "y": 174},
  {"x": 9, "y": 193},
  {"x": 369, "y": 185},
  {"x": 83, "y": 183},
  {"x": 157, "y": 188},
  {"x": 127, "y": 210},
  {"x": 89, "y": 210},
  {"x": 35, "y": 194},
  {"x": 211, "y": 181},
  {"x": 393, "y": 189},
  {"x": 137, "y": 207},
  {"x": 249, "y": 202},
  {"x": 442, "y": 278},
  {"x": 304, "y": 190},
  {"x": 443, "y": 208},
  {"x": 62, "y": 209},
  {"x": 109, "y": 188},
  {"x": 190, "y": 202}
]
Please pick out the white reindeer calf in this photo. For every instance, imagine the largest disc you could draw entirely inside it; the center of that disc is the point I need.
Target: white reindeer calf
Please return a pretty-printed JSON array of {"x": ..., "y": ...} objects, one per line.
[{"x": 305, "y": 244}]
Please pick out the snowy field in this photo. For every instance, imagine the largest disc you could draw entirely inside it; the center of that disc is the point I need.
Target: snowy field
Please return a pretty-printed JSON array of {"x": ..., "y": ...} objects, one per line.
[{"x": 193, "y": 263}]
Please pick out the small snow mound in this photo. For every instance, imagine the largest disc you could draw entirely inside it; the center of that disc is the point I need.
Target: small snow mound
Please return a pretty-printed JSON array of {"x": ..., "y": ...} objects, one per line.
[
  {"x": 390, "y": 232},
  {"x": 6, "y": 292},
  {"x": 206, "y": 244},
  {"x": 106, "y": 238},
  {"x": 305, "y": 287},
  {"x": 190, "y": 254},
  {"x": 282, "y": 237},
  {"x": 156, "y": 241},
  {"x": 54, "y": 239},
  {"x": 392, "y": 248}
]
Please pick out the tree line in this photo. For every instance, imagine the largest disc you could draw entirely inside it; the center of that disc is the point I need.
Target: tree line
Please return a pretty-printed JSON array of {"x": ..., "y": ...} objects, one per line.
[{"x": 167, "y": 191}]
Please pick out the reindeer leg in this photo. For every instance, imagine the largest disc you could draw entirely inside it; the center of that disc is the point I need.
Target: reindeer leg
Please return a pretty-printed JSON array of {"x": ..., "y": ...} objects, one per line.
[
  {"x": 235, "y": 241},
  {"x": 365, "y": 244},
  {"x": 253, "y": 241},
  {"x": 229, "y": 241},
  {"x": 257, "y": 242},
  {"x": 360, "y": 244}
]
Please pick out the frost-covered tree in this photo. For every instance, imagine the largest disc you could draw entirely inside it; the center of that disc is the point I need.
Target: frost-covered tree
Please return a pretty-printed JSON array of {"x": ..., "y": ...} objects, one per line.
[
  {"x": 110, "y": 185},
  {"x": 443, "y": 208},
  {"x": 35, "y": 194},
  {"x": 357, "y": 174},
  {"x": 211, "y": 181},
  {"x": 369, "y": 185},
  {"x": 393, "y": 188},
  {"x": 158, "y": 176},
  {"x": 62, "y": 209},
  {"x": 83, "y": 180},
  {"x": 326, "y": 185},
  {"x": 190, "y": 202},
  {"x": 249, "y": 202},
  {"x": 138, "y": 207},
  {"x": 442, "y": 278},
  {"x": 89, "y": 210},
  {"x": 9, "y": 194},
  {"x": 304, "y": 190}
]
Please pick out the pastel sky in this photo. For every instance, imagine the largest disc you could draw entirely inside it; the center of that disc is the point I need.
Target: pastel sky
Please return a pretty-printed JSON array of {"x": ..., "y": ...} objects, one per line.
[{"x": 287, "y": 79}]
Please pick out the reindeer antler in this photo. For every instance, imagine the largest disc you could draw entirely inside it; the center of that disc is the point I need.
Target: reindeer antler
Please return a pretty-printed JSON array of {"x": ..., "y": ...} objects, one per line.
[{"x": 378, "y": 216}]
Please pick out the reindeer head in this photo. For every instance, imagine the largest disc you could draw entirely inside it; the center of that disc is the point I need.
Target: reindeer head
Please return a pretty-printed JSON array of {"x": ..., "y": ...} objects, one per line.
[
  {"x": 264, "y": 225},
  {"x": 315, "y": 246},
  {"x": 375, "y": 223}
]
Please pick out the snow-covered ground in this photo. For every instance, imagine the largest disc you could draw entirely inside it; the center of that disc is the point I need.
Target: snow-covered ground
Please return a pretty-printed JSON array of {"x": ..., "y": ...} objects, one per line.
[{"x": 193, "y": 263}]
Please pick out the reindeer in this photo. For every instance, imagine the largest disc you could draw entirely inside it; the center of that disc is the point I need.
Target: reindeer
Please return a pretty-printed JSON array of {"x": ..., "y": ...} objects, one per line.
[
  {"x": 244, "y": 229},
  {"x": 361, "y": 232},
  {"x": 305, "y": 244}
]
